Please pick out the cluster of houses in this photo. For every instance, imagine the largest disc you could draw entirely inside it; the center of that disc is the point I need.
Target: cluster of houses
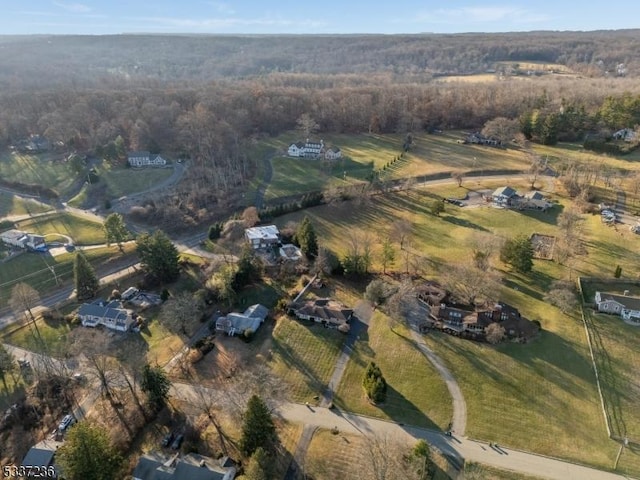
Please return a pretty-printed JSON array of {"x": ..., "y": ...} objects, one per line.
[
  {"x": 313, "y": 149},
  {"x": 466, "y": 321},
  {"x": 507, "y": 197},
  {"x": 625, "y": 306},
  {"x": 23, "y": 240},
  {"x": 145, "y": 159}
]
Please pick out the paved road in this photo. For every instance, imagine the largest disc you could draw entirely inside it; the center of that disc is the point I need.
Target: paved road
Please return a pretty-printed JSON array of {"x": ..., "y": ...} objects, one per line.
[{"x": 454, "y": 447}]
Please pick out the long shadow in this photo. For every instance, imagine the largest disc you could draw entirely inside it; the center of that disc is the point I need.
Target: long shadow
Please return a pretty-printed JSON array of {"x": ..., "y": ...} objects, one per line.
[
  {"x": 402, "y": 411},
  {"x": 549, "y": 216},
  {"x": 461, "y": 222}
]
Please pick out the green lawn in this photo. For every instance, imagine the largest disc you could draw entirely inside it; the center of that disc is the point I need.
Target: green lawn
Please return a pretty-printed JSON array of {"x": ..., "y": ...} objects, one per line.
[
  {"x": 122, "y": 181},
  {"x": 34, "y": 269},
  {"x": 81, "y": 230},
  {"x": 53, "y": 334},
  {"x": 12, "y": 205},
  {"x": 524, "y": 396},
  {"x": 416, "y": 394},
  {"x": 39, "y": 169},
  {"x": 305, "y": 355},
  {"x": 364, "y": 153}
]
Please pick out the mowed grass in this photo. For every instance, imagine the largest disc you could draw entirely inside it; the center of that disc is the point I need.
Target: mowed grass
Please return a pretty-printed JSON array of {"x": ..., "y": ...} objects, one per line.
[
  {"x": 12, "y": 205},
  {"x": 478, "y": 471},
  {"x": 524, "y": 396},
  {"x": 39, "y": 169},
  {"x": 304, "y": 355},
  {"x": 52, "y": 333},
  {"x": 81, "y": 230},
  {"x": 122, "y": 181},
  {"x": 363, "y": 153},
  {"x": 415, "y": 392},
  {"x": 34, "y": 269}
]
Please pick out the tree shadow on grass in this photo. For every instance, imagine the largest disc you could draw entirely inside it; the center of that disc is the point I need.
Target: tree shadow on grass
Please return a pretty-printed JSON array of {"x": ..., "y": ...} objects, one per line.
[
  {"x": 461, "y": 222},
  {"x": 402, "y": 411},
  {"x": 549, "y": 216}
]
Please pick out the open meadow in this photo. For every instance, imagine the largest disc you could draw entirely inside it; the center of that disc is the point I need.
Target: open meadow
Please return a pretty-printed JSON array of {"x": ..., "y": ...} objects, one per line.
[
  {"x": 80, "y": 230},
  {"x": 11, "y": 205},
  {"x": 47, "y": 169}
]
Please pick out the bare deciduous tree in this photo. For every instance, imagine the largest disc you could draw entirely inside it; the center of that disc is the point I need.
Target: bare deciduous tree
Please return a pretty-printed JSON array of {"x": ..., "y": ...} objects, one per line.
[
  {"x": 494, "y": 333},
  {"x": 471, "y": 285},
  {"x": 180, "y": 311},
  {"x": 401, "y": 231}
]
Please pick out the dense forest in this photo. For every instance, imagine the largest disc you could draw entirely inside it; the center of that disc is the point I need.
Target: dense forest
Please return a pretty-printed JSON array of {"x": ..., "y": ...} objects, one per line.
[{"x": 208, "y": 98}]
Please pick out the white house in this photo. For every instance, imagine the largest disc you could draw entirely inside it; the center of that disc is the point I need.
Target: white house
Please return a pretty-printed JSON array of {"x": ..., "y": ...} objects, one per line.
[
  {"x": 534, "y": 200},
  {"x": 503, "y": 196},
  {"x": 624, "y": 306},
  {"x": 110, "y": 314},
  {"x": 262, "y": 237},
  {"x": 333, "y": 153},
  {"x": 145, "y": 159},
  {"x": 20, "y": 239},
  {"x": 307, "y": 149},
  {"x": 238, "y": 323}
]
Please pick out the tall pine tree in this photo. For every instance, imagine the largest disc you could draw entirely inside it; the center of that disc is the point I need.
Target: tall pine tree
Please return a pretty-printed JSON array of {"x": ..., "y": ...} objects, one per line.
[
  {"x": 306, "y": 238},
  {"x": 159, "y": 257},
  {"x": 85, "y": 278},
  {"x": 258, "y": 429}
]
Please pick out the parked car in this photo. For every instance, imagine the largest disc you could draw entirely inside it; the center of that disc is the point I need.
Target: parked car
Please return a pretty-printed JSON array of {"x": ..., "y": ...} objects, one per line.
[
  {"x": 167, "y": 439},
  {"x": 177, "y": 442},
  {"x": 66, "y": 422},
  {"x": 24, "y": 363}
]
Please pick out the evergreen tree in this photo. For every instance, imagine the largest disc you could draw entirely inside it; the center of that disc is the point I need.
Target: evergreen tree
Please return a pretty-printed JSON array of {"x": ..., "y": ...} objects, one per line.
[
  {"x": 437, "y": 207},
  {"x": 306, "y": 238},
  {"x": 518, "y": 253},
  {"x": 159, "y": 257},
  {"x": 88, "y": 455},
  {"x": 6, "y": 365},
  {"x": 375, "y": 386},
  {"x": 85, "y": 278},
  {"x": 258, "y": 466},
  {"x": 156, "y": 385},
  {"x": 115, "y": 230},
  {"x": 258, "y": 429}
]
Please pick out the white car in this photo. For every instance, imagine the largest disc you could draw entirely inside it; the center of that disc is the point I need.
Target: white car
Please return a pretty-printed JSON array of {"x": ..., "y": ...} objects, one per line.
[{"x": 66, "y": 422}]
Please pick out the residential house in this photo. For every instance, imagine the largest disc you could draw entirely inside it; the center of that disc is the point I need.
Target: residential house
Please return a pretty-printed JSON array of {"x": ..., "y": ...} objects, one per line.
[
  {"x": 534, "y": 200},
  {"x": 237, "y": 323},
  {"x": 308, "y": 149},
  {"x": 323, "y": 310},
  {"x": 468, "y": 322},
  {"x": 262, "y": 237},
  {"x": 24, "y": 240},
  {"x": 504, "y": 197},
  {"x": 33, "y": 144},
  {"x": 145, "y": 159},
  {"x": 41, "y": 459},
  {"x": 478, "y": 139},
  {"x": 333, "y": 153},
  {"x": 156, "y": 466},
  {"x": 110, "y": 314},
  {"x": 626, "y": 134},
  {"x": 625, "y": 306}
]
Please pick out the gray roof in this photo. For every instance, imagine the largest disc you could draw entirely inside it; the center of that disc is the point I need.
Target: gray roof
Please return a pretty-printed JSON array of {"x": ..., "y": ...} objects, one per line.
[
  {"x": 241, "y": 323},
  {"x": 38, "y": 457},
  {"x": 257, "y": 311},
  {"x": 506, "y": 191},
  {"x": 632, "y": 303},
  {"x": 152, "y": 467},
  {"x": 140, "y": 153},
  {"x": 534, "y": 195},
  {"x": 98, "y": 309}
]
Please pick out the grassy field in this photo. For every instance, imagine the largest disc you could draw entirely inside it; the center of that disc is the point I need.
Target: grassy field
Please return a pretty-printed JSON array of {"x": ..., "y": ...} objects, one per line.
[
  {"x": 53, "y": 334},
  {"x": 363, "y": 153},
  {"x": 305, "y": 356},
  {"x": 415, "y": 395},
  {"x": 81, "y": 230},
  {"x": 12, "y": 205},
  {"x": 125, "y": 181},
  {"x": 43, "y": 169},
  {"x": 34, "y": 269},
  {"x": 522, "y": 396}
]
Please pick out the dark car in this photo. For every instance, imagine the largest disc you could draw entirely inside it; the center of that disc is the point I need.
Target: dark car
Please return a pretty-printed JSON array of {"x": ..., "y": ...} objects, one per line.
[
  {"x": 167, "y": 439},
  {"x": 177, "y": 442}
]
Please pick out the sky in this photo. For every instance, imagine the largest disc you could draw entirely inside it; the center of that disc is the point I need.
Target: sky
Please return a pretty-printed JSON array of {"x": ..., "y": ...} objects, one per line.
[{"x": 100, "y": 17}]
